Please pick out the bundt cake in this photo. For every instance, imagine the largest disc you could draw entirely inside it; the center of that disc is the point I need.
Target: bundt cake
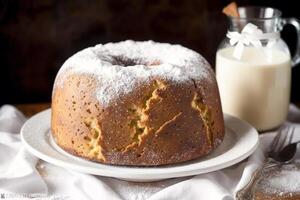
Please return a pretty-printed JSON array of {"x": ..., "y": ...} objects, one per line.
[{"x": 137, "y": 103}]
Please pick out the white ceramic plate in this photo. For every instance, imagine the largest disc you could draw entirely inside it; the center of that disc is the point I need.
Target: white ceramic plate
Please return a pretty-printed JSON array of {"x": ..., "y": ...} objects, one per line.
[{"x": 240, "y": 141}]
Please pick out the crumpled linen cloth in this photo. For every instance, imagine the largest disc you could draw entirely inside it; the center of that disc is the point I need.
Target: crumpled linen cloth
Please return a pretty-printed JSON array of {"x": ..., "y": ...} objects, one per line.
[{"x": 23, "y": 176}]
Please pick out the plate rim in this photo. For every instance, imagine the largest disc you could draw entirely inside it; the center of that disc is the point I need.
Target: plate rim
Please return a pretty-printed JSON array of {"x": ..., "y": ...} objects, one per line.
[{"x": 134, "y": 172}]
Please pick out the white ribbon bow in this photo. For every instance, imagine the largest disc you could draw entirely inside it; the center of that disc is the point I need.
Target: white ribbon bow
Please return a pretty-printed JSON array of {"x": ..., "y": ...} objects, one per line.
[{"x": 250, "y": 34}]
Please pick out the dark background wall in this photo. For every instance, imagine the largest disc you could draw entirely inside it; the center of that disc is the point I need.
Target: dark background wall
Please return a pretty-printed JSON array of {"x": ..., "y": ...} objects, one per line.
[{"x": 37, "y": 36}]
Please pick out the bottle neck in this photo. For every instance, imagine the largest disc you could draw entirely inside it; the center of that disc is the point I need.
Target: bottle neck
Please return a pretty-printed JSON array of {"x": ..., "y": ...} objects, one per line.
[{"x": 266, "y": 25}]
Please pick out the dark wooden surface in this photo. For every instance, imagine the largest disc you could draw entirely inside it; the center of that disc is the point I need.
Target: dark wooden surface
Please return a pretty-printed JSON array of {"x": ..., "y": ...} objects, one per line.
[{"x": 31, "y": 109}]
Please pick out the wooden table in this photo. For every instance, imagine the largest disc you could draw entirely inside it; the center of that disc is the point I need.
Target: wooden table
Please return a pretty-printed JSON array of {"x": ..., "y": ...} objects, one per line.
[{"x": 31, "y": 109}]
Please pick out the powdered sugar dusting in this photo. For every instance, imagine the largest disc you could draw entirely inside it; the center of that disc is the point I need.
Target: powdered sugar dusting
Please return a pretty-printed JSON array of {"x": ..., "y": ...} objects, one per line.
[
  {"x": 281, "y": 181},
  {"x": 121, "y": 67},
  {"x": 287, "y": 180}
]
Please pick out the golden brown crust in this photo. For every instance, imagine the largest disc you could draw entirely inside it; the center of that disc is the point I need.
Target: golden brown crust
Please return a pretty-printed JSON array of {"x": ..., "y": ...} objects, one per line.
[{"x": 161, "y": 123}]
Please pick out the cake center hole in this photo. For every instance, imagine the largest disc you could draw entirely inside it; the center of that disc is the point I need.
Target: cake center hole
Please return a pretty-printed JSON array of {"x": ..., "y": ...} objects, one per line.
[
  {"x": 122, "y": 61},
  {"x": 125, "y": 62}
]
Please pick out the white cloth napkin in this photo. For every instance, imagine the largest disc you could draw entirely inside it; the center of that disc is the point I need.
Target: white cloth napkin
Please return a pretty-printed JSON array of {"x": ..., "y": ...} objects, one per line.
[{"x": 23, "y": 176}]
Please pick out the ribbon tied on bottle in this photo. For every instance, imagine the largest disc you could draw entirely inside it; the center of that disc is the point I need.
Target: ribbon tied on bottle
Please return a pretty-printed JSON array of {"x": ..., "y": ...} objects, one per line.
[{"x": 250, "y": 35}]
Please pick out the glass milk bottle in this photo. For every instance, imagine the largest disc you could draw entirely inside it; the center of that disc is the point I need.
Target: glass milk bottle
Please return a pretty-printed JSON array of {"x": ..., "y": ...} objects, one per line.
[{"x": 253, "y": 67}]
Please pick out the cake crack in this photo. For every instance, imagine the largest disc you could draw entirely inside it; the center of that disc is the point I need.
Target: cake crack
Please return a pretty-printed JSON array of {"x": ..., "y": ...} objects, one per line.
[
  {"x": 205, "y": 115},
  {"x": 141, "y": 116},
  {"x": 167, "y": 123},
  {"x": 95, "y": 149}
]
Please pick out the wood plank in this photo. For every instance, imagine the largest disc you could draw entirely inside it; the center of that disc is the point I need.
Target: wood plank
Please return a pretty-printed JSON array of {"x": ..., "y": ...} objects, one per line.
[{"x": 31, "y": 109}]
